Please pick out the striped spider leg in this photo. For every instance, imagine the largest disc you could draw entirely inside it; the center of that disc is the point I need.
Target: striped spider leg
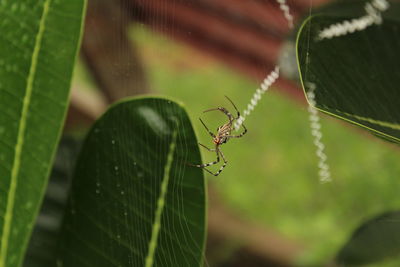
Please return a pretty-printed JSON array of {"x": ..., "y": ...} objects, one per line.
[
  {"x": 222, "y": 136},
  {"x": 218, "y": 152}
]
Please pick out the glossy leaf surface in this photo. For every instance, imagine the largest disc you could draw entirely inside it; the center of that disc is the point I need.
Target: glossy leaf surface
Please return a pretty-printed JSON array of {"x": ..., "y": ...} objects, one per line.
[
  {"x": 38, "y": 46},
  {"x": 134, "y": 200},
  {"x": 356, "y": 76}
]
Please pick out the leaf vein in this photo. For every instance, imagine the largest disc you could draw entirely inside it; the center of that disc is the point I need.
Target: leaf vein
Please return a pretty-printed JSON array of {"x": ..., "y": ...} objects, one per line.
[
  {"x": 160, "y": 203},
  {"x": 8, "y": 215}
]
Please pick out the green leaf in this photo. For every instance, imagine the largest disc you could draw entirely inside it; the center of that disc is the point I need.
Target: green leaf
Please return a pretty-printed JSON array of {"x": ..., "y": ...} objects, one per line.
[
  {"x": 134, "y": 199},
  {"x": 39, "y": 41},
  {"x": 356, "y": 76},
  {"x": 42, "y": 246},
  {"x": 375, "y": 240}
]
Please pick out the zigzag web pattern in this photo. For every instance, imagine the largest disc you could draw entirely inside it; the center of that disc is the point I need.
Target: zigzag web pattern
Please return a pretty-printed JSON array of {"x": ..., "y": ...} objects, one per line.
[
  {"x": 324, "y": 174},
  {"x": 373, "y": 16},
  {"x": 272, "y": 76}
]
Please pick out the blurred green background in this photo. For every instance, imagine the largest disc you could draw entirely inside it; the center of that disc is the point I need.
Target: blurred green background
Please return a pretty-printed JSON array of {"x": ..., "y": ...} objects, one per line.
[{"x": 272, "y": 174}]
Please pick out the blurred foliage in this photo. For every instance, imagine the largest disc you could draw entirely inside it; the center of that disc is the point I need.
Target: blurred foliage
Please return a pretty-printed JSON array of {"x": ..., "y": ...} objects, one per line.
[
  {"x": 374, "y": 241},
  {"x": 281, "y": 189}
]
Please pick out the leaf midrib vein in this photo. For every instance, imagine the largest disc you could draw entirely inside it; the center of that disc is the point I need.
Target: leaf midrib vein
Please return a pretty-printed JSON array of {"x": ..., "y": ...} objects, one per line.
[
  {"x": 8, "y": 215},
  {"x": 160, "y": 203}
]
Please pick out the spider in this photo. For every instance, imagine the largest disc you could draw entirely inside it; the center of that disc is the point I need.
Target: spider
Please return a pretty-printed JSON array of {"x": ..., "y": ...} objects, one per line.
[{"x": 222, "y": 136}]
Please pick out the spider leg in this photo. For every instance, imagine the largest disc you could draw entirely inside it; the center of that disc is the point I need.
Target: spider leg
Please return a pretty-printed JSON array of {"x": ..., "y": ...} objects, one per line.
[
  {"x": 210, "y": 163},
  {"x": 220, "y": 169},
  {"x": 210, "y": 172},
  {"x": 200, "y": 165},
  {"x": 238, "y": 116},
  {"x": 239, "y": 135},
  {"x": 207, "y": 128},
  {"x": 223, "y": 166},
  {"x": 223, "y": 110},
  {"x": 217, "y": 152},
  {"x": 238, "y": 113},
  {"x": 209, "y": 149}
]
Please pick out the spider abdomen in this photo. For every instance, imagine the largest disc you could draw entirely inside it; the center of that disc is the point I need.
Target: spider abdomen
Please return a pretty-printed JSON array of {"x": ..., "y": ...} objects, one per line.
[{"x": 223, "y": 132}]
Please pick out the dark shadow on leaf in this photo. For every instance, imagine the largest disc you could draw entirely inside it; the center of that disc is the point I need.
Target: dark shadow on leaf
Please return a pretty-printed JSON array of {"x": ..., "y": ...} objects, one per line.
[{"x": 375, "y": 240}]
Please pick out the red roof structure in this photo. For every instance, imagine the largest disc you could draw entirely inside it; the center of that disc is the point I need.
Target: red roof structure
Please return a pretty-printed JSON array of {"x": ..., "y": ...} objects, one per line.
[{"x": 247, "y": 35}]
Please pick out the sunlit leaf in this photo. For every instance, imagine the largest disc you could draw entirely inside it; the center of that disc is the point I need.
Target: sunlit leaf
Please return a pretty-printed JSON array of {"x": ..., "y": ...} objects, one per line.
[
  {"x": 375, "y": 240},
  {"x": 134, "y": 199},
  {"x": 38, "y": 47},
  {"x": 356, "y": 76}
]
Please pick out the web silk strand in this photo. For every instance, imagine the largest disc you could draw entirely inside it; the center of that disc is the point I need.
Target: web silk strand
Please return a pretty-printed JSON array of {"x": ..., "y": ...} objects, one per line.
[
  {"x": 265, "y": 85},
  {"x": 373, "y": 16},
  {"x": 286, "y": 12},
  {"x": 271, "y": 78},
  {"x": 324, "y": 173}
]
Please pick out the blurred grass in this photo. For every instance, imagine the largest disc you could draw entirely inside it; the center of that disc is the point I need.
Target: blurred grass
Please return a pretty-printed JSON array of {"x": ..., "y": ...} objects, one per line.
[{"x": 271, "y": 177}]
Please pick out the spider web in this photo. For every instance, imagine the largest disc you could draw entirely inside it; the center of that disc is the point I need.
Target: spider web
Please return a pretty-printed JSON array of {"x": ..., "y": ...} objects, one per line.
[{"x": 280, "y": 190}]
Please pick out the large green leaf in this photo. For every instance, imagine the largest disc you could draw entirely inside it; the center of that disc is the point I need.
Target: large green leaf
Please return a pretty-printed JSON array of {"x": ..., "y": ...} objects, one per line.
[
  {"x": 134, "y": 199},
  {"x": 356, "y": 77},
  {"x": 375, "y": 240},
  {"x": 41, "y": 251},
  {"x": 38, "y": 47}
]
